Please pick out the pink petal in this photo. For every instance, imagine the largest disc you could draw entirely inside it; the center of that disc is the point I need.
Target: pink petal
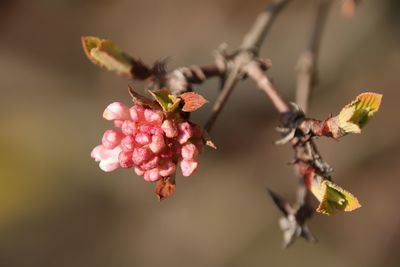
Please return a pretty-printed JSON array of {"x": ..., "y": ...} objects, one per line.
[
  {"x": 152, "y": 175},
  {"x": 185, "y": 132},
  {"x": 143, "y": 138},
  {"x": 116, "y": 111},
  {"x": 167, "y": 169},
  {"x": 137, "y": 113},
  {"x": 128, "y": 127},
  {"x": 111, "y": 139},
  {"x": 108, "y": 166},
  {"x": 97, "y": 152},
  {"x": 101, "y": 153},
  {"x": 118, "y": 123},
  {"x": 188, "y": 167},
  {"x": 169, "y": 128},
  {"x": 157, "y": 143},
  {"x": 189, "y": 151},
  {"x": 139, "y": 171},
  {"x": 128, "y": 143},
  {"x": 150, "y": 164},
  {"x": 125, "y": 159},
  {"x": 108, "y": 157},
  {"x": 140, "y": 155},
  {"x": 152, "y": 116}
]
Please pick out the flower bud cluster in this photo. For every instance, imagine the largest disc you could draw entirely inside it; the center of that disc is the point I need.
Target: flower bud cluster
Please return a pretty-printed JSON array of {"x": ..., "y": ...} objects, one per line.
[{"x": 150, "y": 141}]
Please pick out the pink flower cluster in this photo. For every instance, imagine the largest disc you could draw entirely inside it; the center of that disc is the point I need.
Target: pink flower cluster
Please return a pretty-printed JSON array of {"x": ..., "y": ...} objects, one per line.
[{"x": 150, "y": 141}]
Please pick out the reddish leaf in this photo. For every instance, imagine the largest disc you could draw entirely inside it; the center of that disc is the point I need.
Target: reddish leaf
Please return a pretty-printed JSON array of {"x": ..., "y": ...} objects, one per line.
[
  {"x": 192, "y": 101},
  {"x": 165, "y": 187}
]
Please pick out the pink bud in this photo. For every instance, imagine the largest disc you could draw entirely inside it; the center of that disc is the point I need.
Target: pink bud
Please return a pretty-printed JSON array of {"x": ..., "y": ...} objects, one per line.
[
  {"x": 136, "y": 113},
  {"x": 128, "y": 127},
  {"x": 108, "y": 157},
  {"x": 189, "y": 151},
  {"x": 150, "y": 164},
  {"x": 145, "y": 128},
  {"x": 152, "y": 175},
  {"x": 156, "y": 130},
  {"x": 116, "y": 111},
  {"x": 143, "y": 138},
  {"x": 111, "y": 139},
  {"x": 185, "y": 132},
  {"x": 188, "y": 167},
  {"x": 152, "y": 116},
  {"x": 169, "y": 128},
  {"x": 118, "y": 123},
  {"x": 157, "y": 143},
  {"x": 139, "y": 171},
  {"x": 125, "y": 159},
  {"x": 167, "y": 168},
  {"x": 128, "y": 143},
  {"x": 140, "y": 155}
]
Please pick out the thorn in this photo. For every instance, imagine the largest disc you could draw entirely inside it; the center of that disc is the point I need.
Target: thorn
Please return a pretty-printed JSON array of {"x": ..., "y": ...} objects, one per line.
[
  {"x": 307, "y": 235},
  {"x": 281, "y": 129},
  {"x": 281, "y": 203},
  {"x": 287, "y": 138}
]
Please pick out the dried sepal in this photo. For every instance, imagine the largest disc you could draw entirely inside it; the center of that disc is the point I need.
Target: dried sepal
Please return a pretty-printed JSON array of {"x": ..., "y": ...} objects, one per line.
[
  {"x": 165, "y": 187},
  {"x": 332, "y": 197},
  {"x": 107, "y": 55},
  {"x": 355, "y": 115},
  {"x": 192, "y": 101}
]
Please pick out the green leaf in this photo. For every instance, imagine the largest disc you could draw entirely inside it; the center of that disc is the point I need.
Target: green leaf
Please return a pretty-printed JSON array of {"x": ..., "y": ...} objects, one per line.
[
  {"x": 167, "y": 101},
  {"x": 332, "y": 197},
  {"x": 107, "y": 55},
  {"x": 354, "y": 116}
]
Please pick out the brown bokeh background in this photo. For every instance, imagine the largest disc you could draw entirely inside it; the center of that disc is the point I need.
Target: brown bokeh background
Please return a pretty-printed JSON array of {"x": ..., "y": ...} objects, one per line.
[{"x": 57, "y": 208}]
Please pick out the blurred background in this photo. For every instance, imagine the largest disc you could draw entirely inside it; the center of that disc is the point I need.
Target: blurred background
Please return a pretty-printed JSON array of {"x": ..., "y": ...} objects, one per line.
[{"x": 57, "y": 208}]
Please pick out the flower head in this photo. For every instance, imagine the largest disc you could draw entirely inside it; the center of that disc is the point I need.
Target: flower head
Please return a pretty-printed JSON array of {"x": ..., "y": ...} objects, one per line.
[{"x": 150, "y": 137}]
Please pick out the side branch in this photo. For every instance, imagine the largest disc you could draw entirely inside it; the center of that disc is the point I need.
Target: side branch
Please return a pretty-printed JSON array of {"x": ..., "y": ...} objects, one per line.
[
  {"x": 264, "y": 83},
  {"x": 255, "y": 37},
  {"x": 247, "y": 53},
  {"x": 306, "y": 66}
]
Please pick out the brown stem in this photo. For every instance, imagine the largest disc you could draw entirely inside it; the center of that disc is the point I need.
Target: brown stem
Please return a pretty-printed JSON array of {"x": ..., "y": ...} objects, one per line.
[
  {"x": 306, "y": 81},
  {"x": 264, "y": 83},
  {"x": 247, "y": 52},
  {"x": 306, "y": 66},
  {"x": 255, "y": 37},
  {"x": 227, "y": 89}
]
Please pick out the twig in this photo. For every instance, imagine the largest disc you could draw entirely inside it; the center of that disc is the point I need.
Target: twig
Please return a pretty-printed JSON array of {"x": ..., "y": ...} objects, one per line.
[
  {"x": 266, "y": 85},
  {"x": 248, "y": 50},
  {"x": 223, "y": 96},
  {"x": 306, "y": 81},
  {"x": 255, "y": 37},
  {"x": 180, "y": 80},
  {"x": 306, "y": 66}
]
